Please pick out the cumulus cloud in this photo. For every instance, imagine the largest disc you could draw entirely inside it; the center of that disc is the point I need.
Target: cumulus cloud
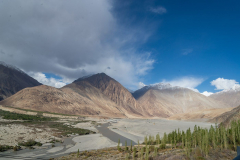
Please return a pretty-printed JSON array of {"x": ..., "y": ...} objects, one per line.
[
  {"x": 159, "y": 10},
  {"x": 71, "y": 39},
  {"x": 225, "y": 84},
  {"x": 186, "y": 82},
  {"x": 58, "y": 83},
  {"x": 206, "y": 93}
]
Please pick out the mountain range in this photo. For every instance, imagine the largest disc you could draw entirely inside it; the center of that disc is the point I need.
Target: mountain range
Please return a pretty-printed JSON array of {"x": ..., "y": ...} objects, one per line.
[
  {"x": 166, "y": 100},
  {"x": 99, "y": 95}
]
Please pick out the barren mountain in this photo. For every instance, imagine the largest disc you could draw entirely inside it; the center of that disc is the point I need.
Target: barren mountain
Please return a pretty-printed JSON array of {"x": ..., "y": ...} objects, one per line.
[
  {"x": 102, "y": 96},
  {"x": 116, "y": 92},
  {"x": 230, "y": 97},
  {"x": 96, "y": 95},
  {"x": 13, "y": 80},
  {"x": 165, "y": 100},
  {"x": 85, "y": 101},
  {"x": 227, "y": 117}
]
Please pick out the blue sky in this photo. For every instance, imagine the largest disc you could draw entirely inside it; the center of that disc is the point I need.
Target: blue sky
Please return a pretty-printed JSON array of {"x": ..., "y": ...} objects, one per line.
[
  {"x": 193, "y": 44},
  {"x": 196, "y": 39}
]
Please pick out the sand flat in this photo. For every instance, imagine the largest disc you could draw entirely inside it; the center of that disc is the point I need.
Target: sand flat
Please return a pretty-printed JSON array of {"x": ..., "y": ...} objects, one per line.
[{"x": 142, "y": 127}]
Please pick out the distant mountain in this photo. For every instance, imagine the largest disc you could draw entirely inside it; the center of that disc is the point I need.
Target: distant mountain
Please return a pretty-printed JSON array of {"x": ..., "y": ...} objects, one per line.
[
  {"x": 116, "y": 92},
  {"x": 230, "y": 97},
  {"x": 159, "y": 86},
  {"x": 13, "y": 80},
  {"x": 165, "y": 100}
]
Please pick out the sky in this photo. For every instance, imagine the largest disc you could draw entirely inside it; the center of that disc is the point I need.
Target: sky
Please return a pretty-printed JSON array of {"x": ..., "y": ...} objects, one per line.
[{"x": 193, "y": 44}]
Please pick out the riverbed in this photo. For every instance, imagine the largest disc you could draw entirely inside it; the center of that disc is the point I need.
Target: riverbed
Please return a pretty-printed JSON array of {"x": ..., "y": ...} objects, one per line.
[{"x": 109, "y": 133}]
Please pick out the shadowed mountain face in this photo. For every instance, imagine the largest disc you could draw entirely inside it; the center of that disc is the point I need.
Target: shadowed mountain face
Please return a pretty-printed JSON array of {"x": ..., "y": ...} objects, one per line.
[
  {"x": 165, "y": 100},
  {"x": 13, "y": 80}
]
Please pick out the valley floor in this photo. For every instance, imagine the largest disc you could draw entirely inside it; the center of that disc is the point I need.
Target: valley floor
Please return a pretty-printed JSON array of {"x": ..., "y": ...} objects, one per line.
[
  {"x": 137, "y": 129},
  {"x": 132, "y": 129}
]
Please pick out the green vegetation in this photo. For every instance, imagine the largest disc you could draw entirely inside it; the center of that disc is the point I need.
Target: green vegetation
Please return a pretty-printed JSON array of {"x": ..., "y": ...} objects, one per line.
[
  {"x": 131, "y": 146},
  {"x": 54, "y": 141},
  {"x": 17, "y": 116},
  {"x": 41, "y": 112},
  {"x": 65, "y": 129},
  {"x": 43, "y": 121},
  {"x": 126, "y": 147},
  {"x": 214, "y": 143},
  {"x": 134, "y": 152},
  {"x": 30, "y": 143},
  {"x": 202, "y": 140},
  {"x": 5, "y": 148},
  {"x": 78, "y": 153},
  {"x": 118, "y": 146}
]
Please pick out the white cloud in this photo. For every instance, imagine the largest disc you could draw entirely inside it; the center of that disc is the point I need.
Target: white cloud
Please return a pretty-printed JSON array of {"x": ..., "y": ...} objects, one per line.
[
  {"x": 206, "y": 93},
  {"x": 141, "y": 85},
  {"x": 72, "y": 39},
  {"x": 225, "y": 84},
  {"x": 186, "y": 82},
  {"x": 58, "y": 83},
  {"x": 159, "y": 10}
]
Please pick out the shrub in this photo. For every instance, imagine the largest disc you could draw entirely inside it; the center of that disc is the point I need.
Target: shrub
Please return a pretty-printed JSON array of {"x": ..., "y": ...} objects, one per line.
[
  {"x": 16, "y": 148},
  {"x": 151, "y": 148},
  {"x": 134, "y": 152},
  {"x": 30, "y": 143},
  {"x": 5, "y": 148},
  {"x": 162, "y": 146}
]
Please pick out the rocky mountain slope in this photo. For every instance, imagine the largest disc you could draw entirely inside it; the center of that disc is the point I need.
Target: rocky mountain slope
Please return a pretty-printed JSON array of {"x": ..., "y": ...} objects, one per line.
[
  {"x": 84, "y": 101},
  {"x": 95, "y": 95},
  {"x": 13, "y": 80},
  {"x": 115, "y": 91},
  {"x": 166, "y": 100},
  {"x": 102, "y": 96},
  {"x": 231, "y": 96}
]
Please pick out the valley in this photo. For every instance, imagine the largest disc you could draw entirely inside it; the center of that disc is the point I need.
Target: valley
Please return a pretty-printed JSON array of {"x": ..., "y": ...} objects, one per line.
[{"x": 56, "y": 143}]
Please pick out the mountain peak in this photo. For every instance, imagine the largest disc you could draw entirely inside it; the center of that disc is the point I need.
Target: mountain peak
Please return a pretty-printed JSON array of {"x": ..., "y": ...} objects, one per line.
[{"x": 93, "y": 76}]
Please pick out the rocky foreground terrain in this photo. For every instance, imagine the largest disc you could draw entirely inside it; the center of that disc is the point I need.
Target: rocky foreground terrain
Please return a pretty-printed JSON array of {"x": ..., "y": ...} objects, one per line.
[{"x": 162, "y": 154}]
